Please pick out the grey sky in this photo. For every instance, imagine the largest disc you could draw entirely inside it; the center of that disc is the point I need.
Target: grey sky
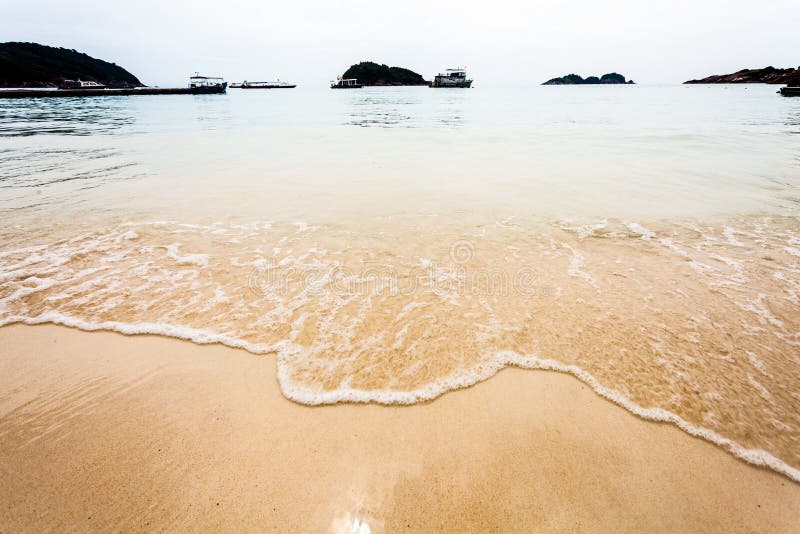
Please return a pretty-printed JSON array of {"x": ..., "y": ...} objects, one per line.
[{"x": 500, "y": 41}]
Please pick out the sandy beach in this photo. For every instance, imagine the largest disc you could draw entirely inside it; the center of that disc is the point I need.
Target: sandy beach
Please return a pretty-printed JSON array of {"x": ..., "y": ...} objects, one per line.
[
  {"x": 493, "y": 286},
  {"x": 100, "y": 431}
]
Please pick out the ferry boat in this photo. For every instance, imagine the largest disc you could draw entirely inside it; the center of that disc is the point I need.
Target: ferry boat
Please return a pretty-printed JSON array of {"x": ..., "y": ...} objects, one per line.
[
  {"x": 79, "y": 84},
  {"x": 206, "y": 84},
  {"x": 266, "y": 85},
  {"x": 452, "y": 78},
  {"x": 349, "y": 83}
]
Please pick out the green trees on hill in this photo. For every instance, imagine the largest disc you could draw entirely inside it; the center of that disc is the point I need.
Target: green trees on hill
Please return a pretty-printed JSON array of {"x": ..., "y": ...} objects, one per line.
[
  {"x": 35, "y": 65},
  {"x": 369, "y": 73},
  {"x": 574, "y": 79}
]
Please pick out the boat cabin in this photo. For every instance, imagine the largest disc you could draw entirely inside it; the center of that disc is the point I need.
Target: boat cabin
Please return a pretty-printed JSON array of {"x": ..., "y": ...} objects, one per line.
[
  {"x": 346, "y": 83},
  {"x": 198, "y": 82},
  {"x": 452, "y": 78},
  {"x": 455, "y": 73},
  {"x": 78, "y": 84}
]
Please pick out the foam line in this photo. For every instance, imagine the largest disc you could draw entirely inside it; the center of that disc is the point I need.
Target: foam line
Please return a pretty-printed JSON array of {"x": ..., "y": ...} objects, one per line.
[{"x": 463, "y": 379}]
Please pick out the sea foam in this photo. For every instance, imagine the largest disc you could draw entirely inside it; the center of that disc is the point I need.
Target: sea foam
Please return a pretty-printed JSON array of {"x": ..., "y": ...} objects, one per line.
[
  {"x": 455, "y": 381},
  {"x": 622, "y": 306}
]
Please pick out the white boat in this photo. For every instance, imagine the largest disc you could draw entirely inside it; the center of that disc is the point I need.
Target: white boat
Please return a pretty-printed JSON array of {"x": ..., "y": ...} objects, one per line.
[
  {"x": 80, "y": 84},
  {"x": 207, "y": 84},
  {"x": 266, "y": 85},
  {"x": 452, "y": 78},
  {"x": 346, "y": 83}
]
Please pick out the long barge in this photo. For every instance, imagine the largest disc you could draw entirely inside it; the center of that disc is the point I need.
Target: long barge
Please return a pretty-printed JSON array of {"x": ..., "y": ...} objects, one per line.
[
  {"x": 47, "y": 93},
  {"x": 198, "y": 85},
  {"x": 264, "y": 85},
  {"x": 790, "y": 91}
]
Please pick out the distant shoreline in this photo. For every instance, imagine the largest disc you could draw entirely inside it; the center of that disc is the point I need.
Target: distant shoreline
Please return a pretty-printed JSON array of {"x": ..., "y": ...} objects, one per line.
[{"x": 768, "y": 75}]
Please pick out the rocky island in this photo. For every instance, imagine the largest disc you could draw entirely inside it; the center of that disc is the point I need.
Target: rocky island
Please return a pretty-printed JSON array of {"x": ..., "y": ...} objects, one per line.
[
  {"x": 35, "y": 65},
  {"x": 369, "y": 73},
  {"x": 574, "y": 79},
  {"x": 766, "y": 75}
]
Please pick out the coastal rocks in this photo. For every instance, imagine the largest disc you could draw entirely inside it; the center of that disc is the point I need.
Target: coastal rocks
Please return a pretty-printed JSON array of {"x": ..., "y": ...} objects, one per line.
[
  {"x": 574, "y": 79},
  {"x": 766, "y": 75},
  {"x": 35, "y": 65},
  {"x": 370, "y": 73}
]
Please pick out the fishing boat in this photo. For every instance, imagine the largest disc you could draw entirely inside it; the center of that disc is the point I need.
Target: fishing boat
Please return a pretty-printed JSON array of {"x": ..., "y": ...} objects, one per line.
[
  {"x": 452, "y": 78},
  {"x": 266, "y": 85},
  {"x": 206, "y": 84},
  {"x": 80, "y": 84},
  {"x": 348, "y": 83},
  {"x": 790, "y": 91}
]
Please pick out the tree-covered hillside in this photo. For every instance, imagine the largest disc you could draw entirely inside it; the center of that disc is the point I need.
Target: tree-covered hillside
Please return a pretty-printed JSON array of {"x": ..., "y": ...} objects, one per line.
[
  {"x": 573, "y": 79},
  {"x": 369, "y": 73},
  {"x": 35, "y": 65}
]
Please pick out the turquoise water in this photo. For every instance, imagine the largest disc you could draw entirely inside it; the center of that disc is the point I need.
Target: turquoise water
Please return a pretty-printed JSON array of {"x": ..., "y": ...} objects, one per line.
[{"x": 656, "y": 151}]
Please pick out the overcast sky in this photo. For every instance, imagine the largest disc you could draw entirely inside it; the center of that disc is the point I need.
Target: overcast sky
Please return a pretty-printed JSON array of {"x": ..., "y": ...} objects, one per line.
[{"x": 500, "y": 41}]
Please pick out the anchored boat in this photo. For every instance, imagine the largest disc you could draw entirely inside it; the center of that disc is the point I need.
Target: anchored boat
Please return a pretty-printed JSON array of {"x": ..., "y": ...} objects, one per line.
[
  {"x": 206, "y": 84},
  {"x": 198, "y": 85},
  {"x": 80, "y": 84},
  {"x": 265, "y": 85},
  {"x": 452, "y": 78},
  {"x": 349, "y": 83}
]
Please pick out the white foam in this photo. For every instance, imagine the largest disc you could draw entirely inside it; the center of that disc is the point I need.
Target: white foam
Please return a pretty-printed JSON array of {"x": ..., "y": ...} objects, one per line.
[
  {"x": 504, "y": 359},
  {"x": 760, "y": 388},
  {"x": 730, "y": 236},
  {"x": 641, "y": 231},
  {"x": 576, "y": 266},
  {"x": 200, "y": 260},
  {"x": 195, "y": 335},
  {"x": 757, "y": 363},
  {"x": 586, "y": 230},
  {"x": 793, "y": 251},
  {"x": 287, "y": 350},
  {"x": 36, "y": 284},
  {"x": 760, "y": 308}
]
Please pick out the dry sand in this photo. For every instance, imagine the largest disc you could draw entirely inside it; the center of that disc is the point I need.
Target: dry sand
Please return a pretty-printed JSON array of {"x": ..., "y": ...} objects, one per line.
[{"x": 99, "y": 431}]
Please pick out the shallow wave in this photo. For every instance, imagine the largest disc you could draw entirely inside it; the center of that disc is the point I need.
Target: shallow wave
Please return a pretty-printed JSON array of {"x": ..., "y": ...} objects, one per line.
[
  {"x": 431, "y": 391},
  {"x": 688, "y": 323}
]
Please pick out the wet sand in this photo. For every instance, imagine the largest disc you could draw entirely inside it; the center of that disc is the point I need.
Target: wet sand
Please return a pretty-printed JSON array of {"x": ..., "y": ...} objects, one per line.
[{"x": 100, "y": 431}]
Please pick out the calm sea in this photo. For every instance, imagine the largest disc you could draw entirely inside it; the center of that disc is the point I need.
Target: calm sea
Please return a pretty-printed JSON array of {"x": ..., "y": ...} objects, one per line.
[
  {"x": 609, "y": 151},
  {"x": 392, "y": 244}
]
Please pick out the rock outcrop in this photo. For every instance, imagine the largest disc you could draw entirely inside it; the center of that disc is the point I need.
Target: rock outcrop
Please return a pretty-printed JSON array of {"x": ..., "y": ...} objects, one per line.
[{"x": 574, "y": 79}]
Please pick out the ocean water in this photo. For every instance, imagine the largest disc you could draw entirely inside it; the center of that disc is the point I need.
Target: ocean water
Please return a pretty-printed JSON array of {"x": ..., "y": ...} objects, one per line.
[{"x": 391, "y": 244}]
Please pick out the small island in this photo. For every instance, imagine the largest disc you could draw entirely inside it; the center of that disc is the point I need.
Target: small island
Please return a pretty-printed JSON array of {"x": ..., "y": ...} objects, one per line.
[
  {"x": 766, "y": 75},
  {"x": 606, "y": 79},
  {"x": 373, "y": 74},
  {"x": 35, "y": 65}
]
